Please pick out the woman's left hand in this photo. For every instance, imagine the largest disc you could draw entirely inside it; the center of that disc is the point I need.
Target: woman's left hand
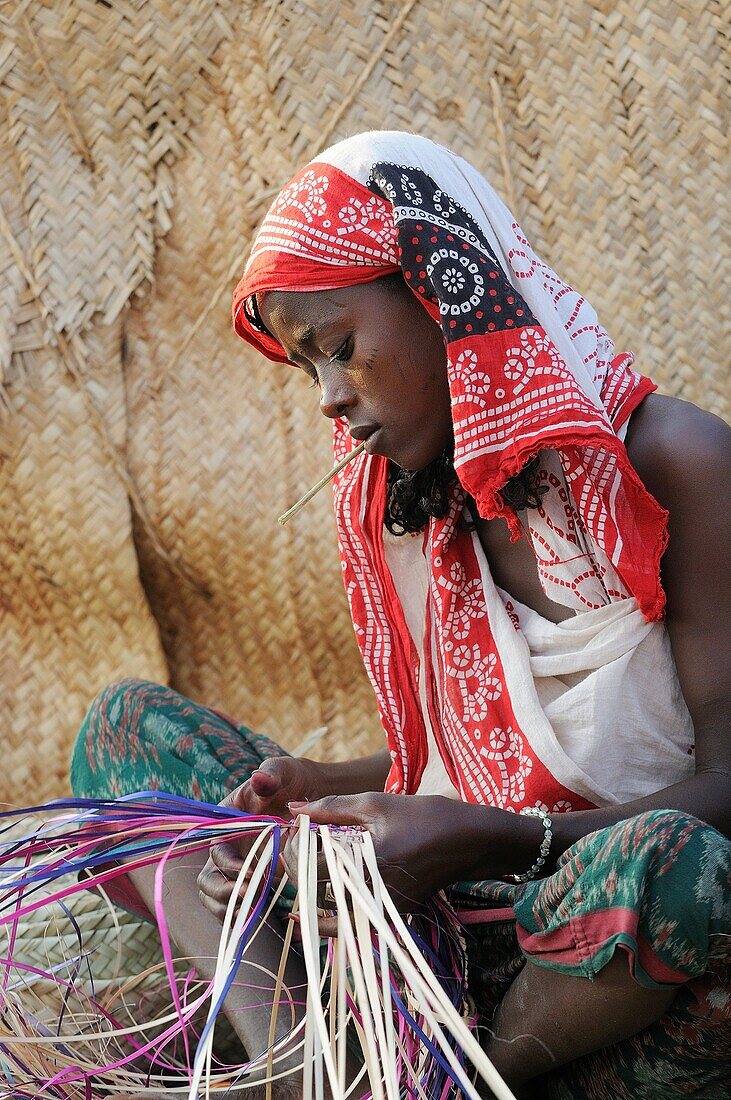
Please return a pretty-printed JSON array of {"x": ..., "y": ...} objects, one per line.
[{"x": 414, "y": 838}]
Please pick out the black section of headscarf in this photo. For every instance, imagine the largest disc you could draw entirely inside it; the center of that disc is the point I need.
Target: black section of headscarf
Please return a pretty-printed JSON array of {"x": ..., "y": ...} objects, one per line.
[{"x": 446, "y": 257}]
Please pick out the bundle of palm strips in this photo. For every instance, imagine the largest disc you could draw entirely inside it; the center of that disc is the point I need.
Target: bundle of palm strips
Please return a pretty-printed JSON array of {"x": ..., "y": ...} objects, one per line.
[{"x": 394, "y": 986}]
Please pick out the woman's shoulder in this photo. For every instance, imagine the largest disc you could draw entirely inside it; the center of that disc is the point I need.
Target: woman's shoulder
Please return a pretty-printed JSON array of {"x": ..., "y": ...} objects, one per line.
[{"x": 681, "y": 452}]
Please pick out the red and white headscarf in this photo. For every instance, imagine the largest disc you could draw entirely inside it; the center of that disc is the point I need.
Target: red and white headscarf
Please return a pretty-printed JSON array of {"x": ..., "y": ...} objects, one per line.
[{"x": 530, "y": 370}]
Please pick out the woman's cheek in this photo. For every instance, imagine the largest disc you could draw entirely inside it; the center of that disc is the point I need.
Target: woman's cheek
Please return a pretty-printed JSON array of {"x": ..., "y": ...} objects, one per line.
[{"x": 358, "y": 378}]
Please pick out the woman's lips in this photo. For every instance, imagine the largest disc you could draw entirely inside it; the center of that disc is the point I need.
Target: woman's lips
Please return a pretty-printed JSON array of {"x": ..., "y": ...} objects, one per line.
[
  {"x": 372, "y": 442},
  {"x": 367, "y": 433}
]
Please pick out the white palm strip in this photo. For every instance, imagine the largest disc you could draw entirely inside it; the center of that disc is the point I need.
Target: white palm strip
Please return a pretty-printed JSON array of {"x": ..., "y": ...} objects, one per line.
[
  {"x": 316, "y": 1022},
  {"x": 341, "y": 882},
  {"x": 379, "y": 997},
  {"x": 348, "y": 953},
  {"x": 258, "y": 858},
  {"x": 379, "y": 1040},
  {"x": 424, "y": 985}
]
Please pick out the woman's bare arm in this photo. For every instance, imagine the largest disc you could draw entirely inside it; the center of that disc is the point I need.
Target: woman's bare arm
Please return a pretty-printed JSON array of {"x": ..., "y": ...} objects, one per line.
[
  {"x": 683, "y": 456},
  {"x": 356, "y": 776}
]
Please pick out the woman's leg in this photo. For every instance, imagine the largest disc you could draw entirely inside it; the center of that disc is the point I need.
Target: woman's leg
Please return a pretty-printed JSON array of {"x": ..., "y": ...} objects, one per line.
[
  {"x": 650, "y": 1019},
  {"x": 547, "y": 1019},
  {"x": 141, "y": 736}
]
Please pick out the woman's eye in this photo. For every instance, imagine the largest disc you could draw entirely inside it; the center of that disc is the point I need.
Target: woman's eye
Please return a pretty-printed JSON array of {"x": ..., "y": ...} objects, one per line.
[{"x": 344, "y": 352}]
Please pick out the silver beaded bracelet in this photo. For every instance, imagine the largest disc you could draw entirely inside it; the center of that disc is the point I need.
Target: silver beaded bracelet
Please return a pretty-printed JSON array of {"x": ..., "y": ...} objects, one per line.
[{"x": 532, "y": 811}]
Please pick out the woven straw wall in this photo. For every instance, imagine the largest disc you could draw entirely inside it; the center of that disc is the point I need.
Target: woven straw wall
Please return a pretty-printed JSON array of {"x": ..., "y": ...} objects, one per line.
[{"x": 144, "y": 452}]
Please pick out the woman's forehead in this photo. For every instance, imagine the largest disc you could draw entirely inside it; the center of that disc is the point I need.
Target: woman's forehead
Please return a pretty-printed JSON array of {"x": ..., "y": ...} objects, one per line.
[
  {"x": 287, "y": 306},
  {"x": 297, "y": 317},
  {"x": 289, "y": 311}
]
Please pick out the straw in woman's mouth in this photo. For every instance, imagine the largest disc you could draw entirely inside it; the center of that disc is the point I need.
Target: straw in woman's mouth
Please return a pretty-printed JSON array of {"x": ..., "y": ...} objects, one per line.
[{"x": 322, "y": 483}]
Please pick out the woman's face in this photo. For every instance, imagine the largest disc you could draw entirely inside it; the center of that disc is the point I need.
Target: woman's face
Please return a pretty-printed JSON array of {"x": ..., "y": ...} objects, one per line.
[{"x": 379, "y": 361}]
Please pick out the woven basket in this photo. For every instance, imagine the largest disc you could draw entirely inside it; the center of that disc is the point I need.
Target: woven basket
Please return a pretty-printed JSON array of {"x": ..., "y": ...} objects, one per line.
[
  {"x": 144, "y": 452},
  {"x": 115, "y": 945},
  {"x": 109, "y": 955}
]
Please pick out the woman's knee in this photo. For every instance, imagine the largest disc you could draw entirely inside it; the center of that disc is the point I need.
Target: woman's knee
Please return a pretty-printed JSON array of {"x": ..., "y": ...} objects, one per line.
[
  {"x": 690, "y": 862},
  {"x": 680, "y": 866},
  {"x": 116, "y": 709},
  {"x": 141, "y": 736},
  {"x": 658, "y": 878},
  {"x": 109, "y": 734},
  {"x": 670, "y": 836}
]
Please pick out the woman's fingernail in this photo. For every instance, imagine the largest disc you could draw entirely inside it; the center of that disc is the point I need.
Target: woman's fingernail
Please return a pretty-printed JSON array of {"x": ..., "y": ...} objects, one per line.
[{"x": 295, "y": 805}]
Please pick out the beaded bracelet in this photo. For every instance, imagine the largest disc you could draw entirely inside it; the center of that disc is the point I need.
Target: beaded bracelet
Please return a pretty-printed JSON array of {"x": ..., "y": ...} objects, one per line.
[{"x": 532, "y": 811}]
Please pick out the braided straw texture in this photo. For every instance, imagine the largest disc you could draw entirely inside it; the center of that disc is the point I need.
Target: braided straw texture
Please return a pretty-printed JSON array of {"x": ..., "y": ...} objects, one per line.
[
  {"x": 144, "y": 452},
  {"x": 101, "y": 951},
  {"x": 115, "y": 944},
  {"x": 110, "y": 954}
]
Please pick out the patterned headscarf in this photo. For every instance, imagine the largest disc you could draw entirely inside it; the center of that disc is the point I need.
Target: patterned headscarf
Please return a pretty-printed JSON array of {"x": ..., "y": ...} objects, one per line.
[{"x": 530, "y": 370}]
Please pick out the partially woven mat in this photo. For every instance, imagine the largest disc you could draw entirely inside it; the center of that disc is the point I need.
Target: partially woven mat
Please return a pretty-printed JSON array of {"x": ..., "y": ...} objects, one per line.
[
  {"x": 144, "y": 452},
  {"x": 102, "y": 945},
  {"x": 107, "y": 954}
]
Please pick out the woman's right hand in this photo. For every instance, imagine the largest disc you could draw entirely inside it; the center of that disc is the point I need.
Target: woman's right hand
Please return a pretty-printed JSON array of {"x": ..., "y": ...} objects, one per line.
[{"x": 277, "y": 781}]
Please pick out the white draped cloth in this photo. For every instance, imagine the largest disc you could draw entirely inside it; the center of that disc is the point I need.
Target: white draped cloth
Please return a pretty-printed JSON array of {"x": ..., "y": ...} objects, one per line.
[{"x": 599, "y": 690}]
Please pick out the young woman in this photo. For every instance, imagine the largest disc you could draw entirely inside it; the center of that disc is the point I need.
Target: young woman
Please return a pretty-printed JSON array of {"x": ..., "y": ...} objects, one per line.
[{"x": 555, "y": 697}]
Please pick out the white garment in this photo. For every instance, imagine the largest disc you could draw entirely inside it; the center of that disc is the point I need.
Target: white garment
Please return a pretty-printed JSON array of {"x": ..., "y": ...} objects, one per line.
[{"x": 604, "y": 681}]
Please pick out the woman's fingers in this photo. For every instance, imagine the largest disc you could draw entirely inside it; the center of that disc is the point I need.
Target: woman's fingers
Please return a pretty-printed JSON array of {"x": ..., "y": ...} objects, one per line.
[
  {"x": 264, "y": 783},
  {"x": 290, "y": 854},
  {"x": 214, "y": 908},
  {"x": 217, "y": 879},
  {"x": 214, "y": 902},
  {"x": 228, "y": 857},
  {"x": 277, "y": 780},
  {"x": 330, "y": 810},
  {"x": 213, "y": 884},
  {"x": 262, "y": 788},
  {"x": 327, "y": 926},
  {"x": 335, "y": 809}
]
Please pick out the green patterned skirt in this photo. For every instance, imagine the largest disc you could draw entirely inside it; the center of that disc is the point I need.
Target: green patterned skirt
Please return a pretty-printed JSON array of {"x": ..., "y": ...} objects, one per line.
[{"x": 656, "y": 885}]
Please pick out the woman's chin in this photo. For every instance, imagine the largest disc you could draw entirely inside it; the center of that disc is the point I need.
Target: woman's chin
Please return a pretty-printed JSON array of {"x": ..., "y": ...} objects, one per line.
[{"x": 413, "y": 460}]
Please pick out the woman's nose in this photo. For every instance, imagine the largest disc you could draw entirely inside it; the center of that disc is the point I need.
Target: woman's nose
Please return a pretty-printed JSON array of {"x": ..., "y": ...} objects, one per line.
[{"x": 336, "y": 395}]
